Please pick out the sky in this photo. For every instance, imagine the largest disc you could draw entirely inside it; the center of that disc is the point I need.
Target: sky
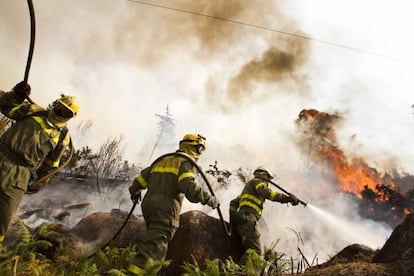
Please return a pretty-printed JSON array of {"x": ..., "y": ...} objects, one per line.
[{"x": 237, "y": 72}]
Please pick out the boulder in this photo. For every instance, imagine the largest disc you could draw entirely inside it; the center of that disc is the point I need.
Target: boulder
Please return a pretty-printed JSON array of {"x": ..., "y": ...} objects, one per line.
[
  {"x": 93, "y": 231},
  {"x": 201, "y": 236},
  {"x": 400, "y": 245},
  {"x": 396, "y": 257}
]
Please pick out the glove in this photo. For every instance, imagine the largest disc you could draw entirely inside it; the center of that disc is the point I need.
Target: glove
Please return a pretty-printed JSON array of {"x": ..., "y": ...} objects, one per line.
[
  {"x": 213, "y": 202},
  {"x": 21, "y": 91},
  {"x": 135, "y": 195},
  {"x": 293, "y": 199}
]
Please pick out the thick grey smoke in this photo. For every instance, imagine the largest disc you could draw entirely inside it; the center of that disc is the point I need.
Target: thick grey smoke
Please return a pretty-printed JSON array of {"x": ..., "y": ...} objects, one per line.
[{"x": 240, "y": 86}]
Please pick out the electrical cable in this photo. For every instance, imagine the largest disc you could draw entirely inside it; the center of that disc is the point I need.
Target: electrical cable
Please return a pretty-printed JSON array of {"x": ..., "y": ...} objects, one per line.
[{"x": 299, "y": 36}]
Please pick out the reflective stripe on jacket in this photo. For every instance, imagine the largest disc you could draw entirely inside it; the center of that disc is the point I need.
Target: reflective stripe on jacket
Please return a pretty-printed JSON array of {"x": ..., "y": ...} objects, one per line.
[
  {"x": 32, "y": 137},
  {"x": 253, "y": 196},
  {"x": 168, "y": 181}
]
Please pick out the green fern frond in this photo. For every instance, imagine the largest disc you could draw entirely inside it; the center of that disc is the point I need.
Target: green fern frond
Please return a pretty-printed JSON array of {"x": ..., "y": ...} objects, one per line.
[
  {"x": 229, "y": 267},
  {"x": 152, "y": 267},
  {"x": 254, "y": 265},
  {"x": 213, "y": 266},
  {"x": 44, "y": 230},
  {"x": 114, "y": 272},
  {"x": 24, "y": 235},
  {"x": 41, "y": 244},
  {"x": 192, "y": 269}
]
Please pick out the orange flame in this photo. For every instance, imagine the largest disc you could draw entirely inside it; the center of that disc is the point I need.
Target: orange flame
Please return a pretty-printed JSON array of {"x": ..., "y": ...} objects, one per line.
[
  {"x": 378, "y": 192},
  {"x": 352, "y": 176}
]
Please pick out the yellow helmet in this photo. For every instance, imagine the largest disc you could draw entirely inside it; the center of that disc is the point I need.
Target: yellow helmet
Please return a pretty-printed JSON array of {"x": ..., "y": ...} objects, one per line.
[
  {"x": 263, "y": 171},
  {"x": 66, "y": 106},
  {"x": 196, "y": 140}
]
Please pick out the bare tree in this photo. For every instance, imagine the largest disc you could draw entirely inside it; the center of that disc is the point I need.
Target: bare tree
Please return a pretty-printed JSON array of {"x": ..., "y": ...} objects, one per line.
[{"x": 105, "y": 165}]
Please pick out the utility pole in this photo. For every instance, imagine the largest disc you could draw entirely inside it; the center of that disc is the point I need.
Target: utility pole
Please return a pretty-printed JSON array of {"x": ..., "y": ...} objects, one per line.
[{"x": 166, "y": 135}]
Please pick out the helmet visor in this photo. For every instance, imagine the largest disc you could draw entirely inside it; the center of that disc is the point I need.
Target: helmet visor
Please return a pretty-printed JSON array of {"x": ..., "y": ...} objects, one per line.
[{"x": 62, "y": 110}]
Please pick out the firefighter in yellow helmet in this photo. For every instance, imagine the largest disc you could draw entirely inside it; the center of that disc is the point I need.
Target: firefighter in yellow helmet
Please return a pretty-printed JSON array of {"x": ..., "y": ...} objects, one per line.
[
  {"x": 168, "y": 180},
  {"x": 246, "y": 209},
  {"x": 31, "y": 147}
]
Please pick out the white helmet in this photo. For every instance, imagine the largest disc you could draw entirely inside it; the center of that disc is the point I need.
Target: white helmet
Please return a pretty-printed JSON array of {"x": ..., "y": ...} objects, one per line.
[{"x": 263, "y": 171}]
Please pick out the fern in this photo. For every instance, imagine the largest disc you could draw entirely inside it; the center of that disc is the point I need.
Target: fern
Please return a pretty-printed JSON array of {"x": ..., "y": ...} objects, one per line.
[
  {"x": 270, "y": 265},
  {"x": 254, "y": 265},
  {"x": 114, "y": 272},
  {"x": 192, "y": 269},
  {"x": 153, "y": 267},
  {"x": 229, "y": 267},
  {"x": 212, "y": 267},
  {"x": 24, "y": 237}
]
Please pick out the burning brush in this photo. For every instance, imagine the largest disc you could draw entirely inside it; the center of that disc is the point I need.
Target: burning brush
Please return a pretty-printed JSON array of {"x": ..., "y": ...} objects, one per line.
[{"x": 376, "y": 192}]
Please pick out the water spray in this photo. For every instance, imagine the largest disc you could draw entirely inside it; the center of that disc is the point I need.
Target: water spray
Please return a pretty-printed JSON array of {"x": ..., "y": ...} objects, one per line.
[{"x": 350, "y": 230}]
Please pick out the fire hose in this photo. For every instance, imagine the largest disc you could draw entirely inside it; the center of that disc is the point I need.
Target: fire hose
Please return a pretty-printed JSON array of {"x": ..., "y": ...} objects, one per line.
[
  {"x": 26, "y": 78},
  {"x": 226, "y": 229},
  {"x": 283, "y": 190},
  {"x": 32, "y": 43},
  {"x": 56, "y": 170},
  {"x": 191, "y": 160}
]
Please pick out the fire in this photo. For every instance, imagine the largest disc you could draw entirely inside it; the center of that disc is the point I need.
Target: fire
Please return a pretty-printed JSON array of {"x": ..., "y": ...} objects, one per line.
[
  {"x": 352, "y": 176},
  {"x": 378, "y": 195}
]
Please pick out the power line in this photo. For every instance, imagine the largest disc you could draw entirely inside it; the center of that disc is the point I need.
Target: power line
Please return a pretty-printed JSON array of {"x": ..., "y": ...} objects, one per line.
[
  {"x": 275, "y": 31},
  {"x": 386, "y": 7}
]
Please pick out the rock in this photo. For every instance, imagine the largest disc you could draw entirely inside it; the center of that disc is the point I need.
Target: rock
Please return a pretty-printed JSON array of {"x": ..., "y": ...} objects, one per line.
[
  {"x": 200, "y": 236},
  {"x": 396, "y": 257},
  {"x": 400, "y": 245},
  {"x": 352, "y": 253},
  {"x": 99, "y": 228}
]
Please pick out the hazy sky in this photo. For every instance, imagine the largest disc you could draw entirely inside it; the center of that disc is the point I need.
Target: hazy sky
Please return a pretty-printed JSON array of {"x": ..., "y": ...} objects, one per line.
[
  {"x": 236, "y": 84},
  {"x": 241, "y": 82}
]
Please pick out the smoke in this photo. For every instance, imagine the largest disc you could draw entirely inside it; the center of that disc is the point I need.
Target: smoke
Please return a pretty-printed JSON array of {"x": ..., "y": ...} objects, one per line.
[{"x": 239, "y": 85}]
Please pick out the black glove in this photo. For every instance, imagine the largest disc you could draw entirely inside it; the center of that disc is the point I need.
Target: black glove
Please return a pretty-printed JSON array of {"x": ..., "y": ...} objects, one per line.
[
  {"x": 135, "y": 195},
  {"x": 293, "y": 199},
  {"x": 21, "y": 91},
  {"x": 213, "y": 202}
]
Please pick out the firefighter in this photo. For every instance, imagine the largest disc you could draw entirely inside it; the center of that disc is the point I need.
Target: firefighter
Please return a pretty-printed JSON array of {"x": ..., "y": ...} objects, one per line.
[
  {"x": 246, "y": 209},
  {"x": 168, "y": 180},
  {"x": 31, "y": 147}
]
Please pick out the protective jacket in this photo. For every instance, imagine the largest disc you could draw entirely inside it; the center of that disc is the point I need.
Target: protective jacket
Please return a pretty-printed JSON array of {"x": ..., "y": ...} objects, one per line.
[
  {"x": 32, "y": 141},
  {"x": 168, "y": 181},
  {"x": 246, "y": 210},
  {"x": 253, "y": 196},
  {"x": 32, "y": 144}
]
